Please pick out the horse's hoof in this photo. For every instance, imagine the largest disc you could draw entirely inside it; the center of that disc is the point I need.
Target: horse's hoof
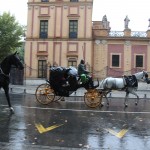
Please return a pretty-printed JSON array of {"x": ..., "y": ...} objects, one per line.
[
  {"x": 11, "y": 110},
  {"x": 101, "y": 105},
  {"x": 126, "y": 105}
]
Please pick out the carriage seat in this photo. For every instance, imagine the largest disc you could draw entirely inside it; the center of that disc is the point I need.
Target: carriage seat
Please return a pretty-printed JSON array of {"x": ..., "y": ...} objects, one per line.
[{"x": 131, "y": 81}]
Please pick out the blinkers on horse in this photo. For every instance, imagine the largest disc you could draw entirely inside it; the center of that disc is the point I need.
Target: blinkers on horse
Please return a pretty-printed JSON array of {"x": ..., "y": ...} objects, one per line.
[{"x": 5, "y": 68}]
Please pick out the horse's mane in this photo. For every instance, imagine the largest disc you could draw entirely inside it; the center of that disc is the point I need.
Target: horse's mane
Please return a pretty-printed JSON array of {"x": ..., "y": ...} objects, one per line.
[{"x": 4, "y": 60}]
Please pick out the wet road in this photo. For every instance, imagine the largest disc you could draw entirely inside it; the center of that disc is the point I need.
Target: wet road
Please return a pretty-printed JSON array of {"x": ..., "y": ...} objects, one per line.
[{"x": 70, "y": 124}]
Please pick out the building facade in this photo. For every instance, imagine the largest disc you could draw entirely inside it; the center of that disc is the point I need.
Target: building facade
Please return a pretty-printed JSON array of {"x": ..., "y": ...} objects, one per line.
[
  {"x": 61, "y": 33},
  {"x": 119, "y": 53}
]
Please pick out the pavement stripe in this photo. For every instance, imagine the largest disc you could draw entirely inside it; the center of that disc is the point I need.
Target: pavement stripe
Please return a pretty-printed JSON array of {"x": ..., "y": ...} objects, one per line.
[
  {"x": 122, "y": 133},
  {"x": 118, "y": 134},
  {"x": 41, "y": 129}
]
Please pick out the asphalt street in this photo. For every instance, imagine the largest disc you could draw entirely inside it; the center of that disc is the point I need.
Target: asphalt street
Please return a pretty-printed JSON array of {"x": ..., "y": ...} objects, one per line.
[{"x": 71, "y": 125}]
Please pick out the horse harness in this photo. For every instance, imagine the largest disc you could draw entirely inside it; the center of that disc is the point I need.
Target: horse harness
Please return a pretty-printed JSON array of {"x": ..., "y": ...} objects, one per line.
[{"x": 131, "y": 81}]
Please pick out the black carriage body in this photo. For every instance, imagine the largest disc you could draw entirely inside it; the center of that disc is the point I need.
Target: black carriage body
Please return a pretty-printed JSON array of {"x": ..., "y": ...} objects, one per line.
[{"x": 62, "y": 81}]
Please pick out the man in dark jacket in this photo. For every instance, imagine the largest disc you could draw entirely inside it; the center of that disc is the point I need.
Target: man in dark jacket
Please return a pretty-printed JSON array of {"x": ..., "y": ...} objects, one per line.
[
  {"x": 82, "y": 68},
  {"x": 82, "y": 72}
]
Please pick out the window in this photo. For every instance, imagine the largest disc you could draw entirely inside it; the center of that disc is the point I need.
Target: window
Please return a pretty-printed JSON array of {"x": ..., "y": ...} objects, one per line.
[
  {"x": 139, "y": 61},
  {"x": 72, "y": 62},
  {"x": 115, "y": 60},
  {"x": 42, "y": 69},
  {"x": 73, "y": 28},
  {"x": 43, "y": 28},
  {"x": 44, "y": 0},
  {"x": 74, "y": 0}
]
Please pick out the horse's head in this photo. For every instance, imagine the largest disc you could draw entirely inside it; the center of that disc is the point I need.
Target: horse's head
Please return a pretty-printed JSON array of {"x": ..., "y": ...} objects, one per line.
[
  {"x": 145, "y": 78},
  {"x": 143, "y": 75},
  {"x": 15, "y": 60}
]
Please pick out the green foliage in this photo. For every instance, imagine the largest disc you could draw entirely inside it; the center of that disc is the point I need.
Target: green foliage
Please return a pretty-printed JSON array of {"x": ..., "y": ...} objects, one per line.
[
  {"x": 10, "y": 34},
  {"x": 20, "y": 50}
]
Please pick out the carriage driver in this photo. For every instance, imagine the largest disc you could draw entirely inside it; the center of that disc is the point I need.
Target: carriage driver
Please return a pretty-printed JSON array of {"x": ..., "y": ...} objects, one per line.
[
  {"x": 82, "y": 68},
  {"x": 83, "y": 72}
]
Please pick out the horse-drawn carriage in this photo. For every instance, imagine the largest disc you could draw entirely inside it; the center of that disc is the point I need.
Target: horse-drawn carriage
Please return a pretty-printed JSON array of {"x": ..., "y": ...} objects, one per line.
[{"x": 63, "y": 82}]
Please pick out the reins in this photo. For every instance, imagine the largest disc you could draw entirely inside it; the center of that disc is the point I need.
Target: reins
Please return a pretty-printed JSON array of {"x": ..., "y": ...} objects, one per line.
[{"x": 1, "y": 72}]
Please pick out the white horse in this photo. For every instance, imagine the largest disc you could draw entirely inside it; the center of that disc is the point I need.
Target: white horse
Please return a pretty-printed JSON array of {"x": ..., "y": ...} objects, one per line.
[{"x": 129, "y": 84}]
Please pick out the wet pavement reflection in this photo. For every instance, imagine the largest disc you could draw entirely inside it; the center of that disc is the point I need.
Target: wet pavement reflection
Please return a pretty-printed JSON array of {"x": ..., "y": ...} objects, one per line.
[{"x": 70, "y": 124}]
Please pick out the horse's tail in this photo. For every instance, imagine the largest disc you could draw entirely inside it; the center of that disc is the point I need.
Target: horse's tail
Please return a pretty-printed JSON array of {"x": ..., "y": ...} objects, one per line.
[
  {"x": 102, "y": 84},
  {"x": 97, "y": 84}
]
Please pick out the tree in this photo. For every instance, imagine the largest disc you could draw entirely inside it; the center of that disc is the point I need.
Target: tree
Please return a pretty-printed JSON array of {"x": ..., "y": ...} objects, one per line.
[
  {"x": 20, "y": 50},
  {"x": 10, "y": 34}
]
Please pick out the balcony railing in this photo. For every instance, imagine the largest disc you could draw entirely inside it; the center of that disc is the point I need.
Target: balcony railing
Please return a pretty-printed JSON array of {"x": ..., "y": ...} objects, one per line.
[
  {"x": 116, "y": 33},
  {"x": 138, "y": 34},
  {"x": 133, "y": 34}
]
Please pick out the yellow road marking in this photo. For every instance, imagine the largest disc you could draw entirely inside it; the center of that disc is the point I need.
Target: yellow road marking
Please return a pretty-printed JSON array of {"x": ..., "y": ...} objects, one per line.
[
  {"x": 118, "y": 134},
  {"x": 41, "y": 129}
]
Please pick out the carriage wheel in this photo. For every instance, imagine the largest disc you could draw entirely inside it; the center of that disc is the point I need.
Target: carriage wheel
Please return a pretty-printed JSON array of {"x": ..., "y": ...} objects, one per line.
[
  {"x": 92, "y": 98},
  {"x": 44, "y": 94}
]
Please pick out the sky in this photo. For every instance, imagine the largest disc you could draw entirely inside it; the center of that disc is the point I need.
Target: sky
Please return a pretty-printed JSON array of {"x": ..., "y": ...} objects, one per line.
[{"x": 116, "y": 10}]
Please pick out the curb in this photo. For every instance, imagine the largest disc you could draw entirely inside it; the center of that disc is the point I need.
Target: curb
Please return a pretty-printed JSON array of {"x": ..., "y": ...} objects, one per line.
[{"x": 79, "y": 93}]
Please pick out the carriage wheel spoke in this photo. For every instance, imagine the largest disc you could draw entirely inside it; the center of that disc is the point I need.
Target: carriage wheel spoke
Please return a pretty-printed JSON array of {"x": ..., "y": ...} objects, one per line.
[
  {"x": 92, "y": 98},
  {"x": 44, "y": 94}
]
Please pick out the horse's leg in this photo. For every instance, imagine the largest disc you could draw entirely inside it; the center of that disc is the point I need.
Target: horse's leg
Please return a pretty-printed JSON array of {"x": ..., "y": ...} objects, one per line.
[
  {"x": 105, "y": 95},
  {"x": 6, "y": 89},
  {"x": 134, "y": 93},
  {"x": 126, "y": 99}
]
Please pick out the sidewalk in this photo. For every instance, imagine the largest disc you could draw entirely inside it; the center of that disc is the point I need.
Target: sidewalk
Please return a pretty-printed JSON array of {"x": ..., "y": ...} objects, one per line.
[{"x": 30, "y": 86}]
